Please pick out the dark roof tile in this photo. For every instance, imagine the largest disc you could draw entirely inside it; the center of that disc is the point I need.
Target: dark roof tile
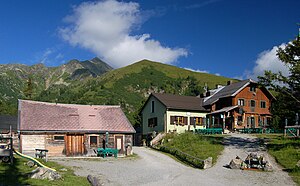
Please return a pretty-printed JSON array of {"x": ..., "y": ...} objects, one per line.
[{"x": 180, "y": 102}]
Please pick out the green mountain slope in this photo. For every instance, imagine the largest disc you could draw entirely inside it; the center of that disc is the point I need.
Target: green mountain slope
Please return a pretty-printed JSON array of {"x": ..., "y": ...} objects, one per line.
[
  {"x": 168, "y": 70},
  {"x": 130, "y": 86},
  {"x": 19, "y": 81}
]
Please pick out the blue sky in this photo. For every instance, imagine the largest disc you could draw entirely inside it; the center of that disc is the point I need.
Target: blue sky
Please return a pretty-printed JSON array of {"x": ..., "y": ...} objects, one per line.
[{"x": 232, "y": 38}]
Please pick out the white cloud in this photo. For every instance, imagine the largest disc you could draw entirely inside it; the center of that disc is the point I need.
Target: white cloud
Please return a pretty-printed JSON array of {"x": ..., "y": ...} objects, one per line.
[
  {"x": 267, "y": 60},
  {"x": 197, "y": 70},
  {"x": 105, "y": 28}
]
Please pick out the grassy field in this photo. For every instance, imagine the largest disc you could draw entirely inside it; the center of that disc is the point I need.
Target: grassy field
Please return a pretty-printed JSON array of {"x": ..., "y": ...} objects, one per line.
[
  {"x": 198, "y": 146},
  {"x": 286, "y": 151},
  {"x": 168, "y": 70},
  {"x": 16, "y": 174}
]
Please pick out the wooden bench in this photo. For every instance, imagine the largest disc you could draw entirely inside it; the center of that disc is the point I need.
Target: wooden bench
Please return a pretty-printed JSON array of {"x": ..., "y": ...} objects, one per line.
[
  {"x": 41, "y": 153},
  {"x": 107, "y": 151},
  {"x": 209, "y": 131}
]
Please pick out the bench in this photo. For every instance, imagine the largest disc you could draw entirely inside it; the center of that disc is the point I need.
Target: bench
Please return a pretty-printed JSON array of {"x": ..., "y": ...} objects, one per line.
[
  {"x": 209, "y": 131},
  {"x": 41, "y": 153},
  {"x": 107, "y": 151}
]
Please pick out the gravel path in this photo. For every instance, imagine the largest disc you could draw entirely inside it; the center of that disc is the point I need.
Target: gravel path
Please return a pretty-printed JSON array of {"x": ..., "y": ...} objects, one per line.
[{"x": 155, "y": 168}]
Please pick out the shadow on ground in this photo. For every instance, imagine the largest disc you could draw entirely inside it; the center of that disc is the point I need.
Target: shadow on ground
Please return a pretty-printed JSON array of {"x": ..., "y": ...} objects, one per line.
[
  {"x": 11, "y": 175},
  {"x": 251, "y": 144}
]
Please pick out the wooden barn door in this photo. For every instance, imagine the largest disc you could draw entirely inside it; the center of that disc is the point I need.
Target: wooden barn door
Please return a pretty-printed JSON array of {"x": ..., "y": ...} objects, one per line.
[
  {"x": 119, "y": 144},
  {"x": 74, "y": 144}
]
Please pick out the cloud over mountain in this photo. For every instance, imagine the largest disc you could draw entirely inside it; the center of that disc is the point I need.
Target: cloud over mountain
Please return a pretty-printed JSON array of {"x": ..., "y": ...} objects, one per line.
[
  {"x": 268, "y": 60},
  {"x": 106, "y": 28}
]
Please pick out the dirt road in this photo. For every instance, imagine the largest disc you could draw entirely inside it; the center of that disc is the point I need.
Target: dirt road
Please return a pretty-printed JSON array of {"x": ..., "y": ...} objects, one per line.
[{"x": 155, "y": 168}]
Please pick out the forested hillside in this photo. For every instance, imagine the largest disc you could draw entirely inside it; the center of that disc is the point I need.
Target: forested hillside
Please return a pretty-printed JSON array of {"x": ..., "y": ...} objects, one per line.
[{"x": 129, "y": 86}]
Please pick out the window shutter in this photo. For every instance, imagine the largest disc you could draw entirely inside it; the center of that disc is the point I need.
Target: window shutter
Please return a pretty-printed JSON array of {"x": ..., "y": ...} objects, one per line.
[
  {"x": 192, "y": 120},
  {"x": 185, "y": 120},
  {"x": 155, "y": 122},
  {"x": 172, "y": 120},
  {"x": 204, "y": 121}
]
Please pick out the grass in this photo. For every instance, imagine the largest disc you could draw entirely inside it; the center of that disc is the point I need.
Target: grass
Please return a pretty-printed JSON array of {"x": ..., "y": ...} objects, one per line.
[
  {"x": 16, "y": 174},
  {"x": 169, "y": 70},
  {"x": 286, "y": 152},
  {"x": 198, "y": 146}
]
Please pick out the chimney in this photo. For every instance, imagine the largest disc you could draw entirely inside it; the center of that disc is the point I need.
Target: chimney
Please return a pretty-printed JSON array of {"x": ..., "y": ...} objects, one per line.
[
  {"x": 207, "y": 93},
  {"x": 229, "y": 82}
]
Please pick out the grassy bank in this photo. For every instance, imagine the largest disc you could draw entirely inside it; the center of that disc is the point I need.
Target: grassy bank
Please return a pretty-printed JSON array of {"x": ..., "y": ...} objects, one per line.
[
  {"x": 16, "y": 174},
  {"x": 190, "y": 148},
  {"x": 286, "y": 152}
]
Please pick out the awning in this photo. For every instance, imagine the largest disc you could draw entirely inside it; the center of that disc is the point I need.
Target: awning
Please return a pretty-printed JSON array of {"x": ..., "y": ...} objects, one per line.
[{"x": 225, "y": 109}]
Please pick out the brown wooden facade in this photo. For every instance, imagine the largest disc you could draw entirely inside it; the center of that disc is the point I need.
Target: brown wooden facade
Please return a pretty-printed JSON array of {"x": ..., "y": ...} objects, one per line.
[
  {"x": 247, "y": 108},
  {"x": 73, "y": 144}
]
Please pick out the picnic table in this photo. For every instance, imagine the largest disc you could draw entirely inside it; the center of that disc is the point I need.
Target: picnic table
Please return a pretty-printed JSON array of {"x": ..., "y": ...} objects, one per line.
[
  {"x": 41, "y": 153},
  {"x": 107, "y": 151}
]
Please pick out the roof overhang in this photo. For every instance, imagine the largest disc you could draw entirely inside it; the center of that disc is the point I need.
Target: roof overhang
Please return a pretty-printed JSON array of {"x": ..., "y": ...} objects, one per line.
[
  {"x": 76, "y": 131},
  {"x": 226, "y": 109}
]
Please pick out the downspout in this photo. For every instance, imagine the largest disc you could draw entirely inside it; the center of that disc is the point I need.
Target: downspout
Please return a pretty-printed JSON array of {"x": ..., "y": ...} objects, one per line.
[{"x": 18, "y": 125}]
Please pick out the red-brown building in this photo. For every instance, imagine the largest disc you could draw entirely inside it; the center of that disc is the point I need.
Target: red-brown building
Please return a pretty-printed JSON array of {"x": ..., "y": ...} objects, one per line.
[
  {"x": 239, "y": 105},
  {"x": 72, "y": 130}
]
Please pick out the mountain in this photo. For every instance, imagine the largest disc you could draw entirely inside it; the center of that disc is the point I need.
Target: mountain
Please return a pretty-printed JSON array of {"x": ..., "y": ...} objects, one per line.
[
  {"x": 95, "y": 82},
  {"x": 131, "y": 85},
  {"x": 21, "y": 81}
]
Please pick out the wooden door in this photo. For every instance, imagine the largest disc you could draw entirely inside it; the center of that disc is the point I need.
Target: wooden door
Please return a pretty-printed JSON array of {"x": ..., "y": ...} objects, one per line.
[
  {"x": 74, "y": 144},
  {"x": 119, "y": 144}
]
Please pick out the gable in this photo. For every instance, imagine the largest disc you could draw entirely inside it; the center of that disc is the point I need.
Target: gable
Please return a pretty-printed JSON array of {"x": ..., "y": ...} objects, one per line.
[
  {"x": 234, "y": 89},
  {"x": 147, "y": 107}
]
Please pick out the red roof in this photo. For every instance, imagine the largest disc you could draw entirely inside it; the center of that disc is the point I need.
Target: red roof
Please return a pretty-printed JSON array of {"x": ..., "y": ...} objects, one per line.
[{"x": 42, "y": 116}]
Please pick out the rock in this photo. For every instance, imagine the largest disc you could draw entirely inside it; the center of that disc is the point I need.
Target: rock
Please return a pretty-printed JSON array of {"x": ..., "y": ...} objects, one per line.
[
  {"x": 30, "y": 164},
  {"x": 63, "y": 169},
  {"x": 235, "y": 163},
  {"x": 268, "y": 167},
  {"x": 44, "y": 173},
  {"x": 298, "y": 164},
  {"x": 207, "y": 163},
  {"x": 129, "y": 149},
  {"x": 94, "y": 181}
]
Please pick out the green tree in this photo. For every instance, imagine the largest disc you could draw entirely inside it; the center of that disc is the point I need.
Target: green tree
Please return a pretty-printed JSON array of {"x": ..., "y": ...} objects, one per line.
[
  {"x": 29, "y": 89},
  {"x": 288, "y": 87}
]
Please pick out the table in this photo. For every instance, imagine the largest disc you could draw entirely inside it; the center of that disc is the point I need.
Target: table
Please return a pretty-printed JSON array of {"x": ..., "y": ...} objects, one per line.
[{"x": 41, "y": 153}]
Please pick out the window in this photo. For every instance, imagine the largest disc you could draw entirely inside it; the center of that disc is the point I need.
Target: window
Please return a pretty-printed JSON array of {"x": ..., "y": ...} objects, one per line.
[
  {"x": 252, "y": 103},
  {"x": 241, "y": 102},
  {"x": 262, "y": 104},
  {"x": 178, "y": 120},
  {"x": 152, "y": 107},
  {"x": 152, "y": 122},
  {"x": 240, "y": 118},
  {"x": 59, "y": 138},
  {"x": 93, "y": 141},
  {"x": 253, "y": 89},
  {"x": 199, "y": 120}
]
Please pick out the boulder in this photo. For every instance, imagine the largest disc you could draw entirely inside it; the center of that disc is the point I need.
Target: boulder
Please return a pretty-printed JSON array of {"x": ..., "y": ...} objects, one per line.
[
  {"x": 30, "y": 164},
  {"x": 94, "y": 181},
  {"x": 207, "y": 163},
  {"x": 63, "y": 169},
  {"x": 268, "y": 167},
  {"x": 44, "y": 173},
  {"x": 235, "y": 163}
]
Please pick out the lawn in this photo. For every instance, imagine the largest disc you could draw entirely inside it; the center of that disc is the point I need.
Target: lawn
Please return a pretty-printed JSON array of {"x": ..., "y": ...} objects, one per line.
[
  {"x": 189, "y": 147},
  {"x": 286, "y": 152},
  {"x": 16, "y": 174}
]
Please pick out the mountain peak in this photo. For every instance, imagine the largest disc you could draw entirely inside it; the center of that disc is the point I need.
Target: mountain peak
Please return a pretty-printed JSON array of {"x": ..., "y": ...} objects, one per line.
[{"x": 96, "y": 59}]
